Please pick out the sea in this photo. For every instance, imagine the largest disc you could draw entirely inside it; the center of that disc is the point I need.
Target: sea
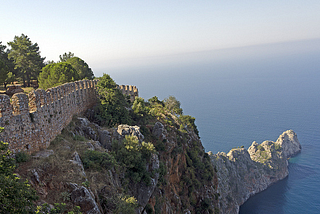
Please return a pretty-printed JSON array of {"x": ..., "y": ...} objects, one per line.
[{"x": 242, "y": 95}]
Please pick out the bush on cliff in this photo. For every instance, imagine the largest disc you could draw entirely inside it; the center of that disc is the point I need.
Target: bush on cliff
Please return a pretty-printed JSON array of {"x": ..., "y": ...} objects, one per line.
[
  {"x": 133, "y": 156},
  {"x": 113, "y": 104}
]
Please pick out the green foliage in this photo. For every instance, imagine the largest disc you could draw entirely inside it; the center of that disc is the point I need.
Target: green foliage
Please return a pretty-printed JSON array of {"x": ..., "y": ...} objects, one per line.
[
  {"x": 112, "y": 108},
  {"x": 26, "y": 58},
  {"x": 86, "y": 184},
  {"x": 133, "y": 156},
  {"x": 84, "y": 71},
  {"x": 96, "y": 160},
  {"x": 155, "y": 100},
  {"x": 173, "y": 105},
  {"x": 3, "y": 71},
  {"x": 162, "y": 172},
  {"x": 277, "y": 147},
  {"x": 139, "y": 110},
  {"x": 189, "y": 121},
  {"x": 22, "y": 157},
  {"x": 259, "y": 147},
  {"x": 66, "y": 56},
  {"x": 65, "y": 196},
  {"x": 59, "y": 208},
  {"x": 16, "y": 196},
  {"x": 79, "y": 138},
  {"x": 126, "y": 205},
  {"x": 6, "y": 67},
  {"x": 204, "y": 207},
  {"x": 56, "y": 74}
]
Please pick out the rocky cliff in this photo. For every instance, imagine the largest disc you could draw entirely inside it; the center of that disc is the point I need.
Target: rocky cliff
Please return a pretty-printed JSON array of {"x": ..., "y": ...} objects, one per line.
[
  {"x": 242, "y": 173},
  {"x": 95, "y": 168}
]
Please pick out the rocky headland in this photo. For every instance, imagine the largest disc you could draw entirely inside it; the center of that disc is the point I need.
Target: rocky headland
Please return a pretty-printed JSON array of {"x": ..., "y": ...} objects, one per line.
[
  {"x": 183, "y": 178},
  {"x": 243, "y": 173}
]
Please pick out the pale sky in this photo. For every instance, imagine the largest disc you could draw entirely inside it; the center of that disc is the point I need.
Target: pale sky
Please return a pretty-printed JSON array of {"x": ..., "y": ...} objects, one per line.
[{"x": 109, "y": 32}]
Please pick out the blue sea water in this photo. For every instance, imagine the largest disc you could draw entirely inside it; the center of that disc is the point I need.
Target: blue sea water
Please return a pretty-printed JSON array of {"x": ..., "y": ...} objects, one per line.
[{"x": 245, "y": 95}]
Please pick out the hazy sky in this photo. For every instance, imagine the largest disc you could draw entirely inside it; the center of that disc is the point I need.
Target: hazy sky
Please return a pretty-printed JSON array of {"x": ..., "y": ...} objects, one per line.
[{"x": 109, "y": 32}]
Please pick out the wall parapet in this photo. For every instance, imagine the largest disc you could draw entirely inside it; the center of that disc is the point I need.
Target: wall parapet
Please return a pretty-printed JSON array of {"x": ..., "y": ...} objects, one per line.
[
  {"x": 32, "y": 121},
  {"x": 129, "y": 90}
]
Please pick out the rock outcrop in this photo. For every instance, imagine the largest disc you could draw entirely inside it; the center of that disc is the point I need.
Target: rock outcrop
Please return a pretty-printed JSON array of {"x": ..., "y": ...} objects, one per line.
[
  {"x": 124, "y": 129},
  {"x": 82, "y": 197},
  {"x": 289, "y": 143},
  {"x": 243, "y": 173}
]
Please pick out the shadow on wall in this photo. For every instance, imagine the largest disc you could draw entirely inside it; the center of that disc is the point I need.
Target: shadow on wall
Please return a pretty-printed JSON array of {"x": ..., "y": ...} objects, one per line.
[{"x": 32, "y": 121}]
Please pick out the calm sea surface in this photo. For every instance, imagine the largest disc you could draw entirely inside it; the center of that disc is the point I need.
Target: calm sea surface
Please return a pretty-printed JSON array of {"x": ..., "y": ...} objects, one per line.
[{"x": 243, "y": 98}]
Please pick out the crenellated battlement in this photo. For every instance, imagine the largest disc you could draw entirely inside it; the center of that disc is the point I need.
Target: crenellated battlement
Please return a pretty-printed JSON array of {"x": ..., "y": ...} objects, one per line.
[
  {"x": 129, "y": 90},
  {"x": 32, "y": 121}
]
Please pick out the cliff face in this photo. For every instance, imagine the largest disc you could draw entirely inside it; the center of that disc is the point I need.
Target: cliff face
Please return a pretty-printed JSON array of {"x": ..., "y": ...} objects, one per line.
[
  {"x": 83, "y": 167},
  {"x": 242, "y": 173}
]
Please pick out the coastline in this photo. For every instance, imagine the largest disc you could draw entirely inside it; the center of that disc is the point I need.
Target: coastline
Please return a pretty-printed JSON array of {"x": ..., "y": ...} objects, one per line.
[{"x": 243, "y": 173}]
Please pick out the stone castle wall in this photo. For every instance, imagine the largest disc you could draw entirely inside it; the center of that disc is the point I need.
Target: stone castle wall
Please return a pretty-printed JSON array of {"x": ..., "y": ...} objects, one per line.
[
  {"x": 32, "y": 121},
  {"x": 129, "y": 90}
]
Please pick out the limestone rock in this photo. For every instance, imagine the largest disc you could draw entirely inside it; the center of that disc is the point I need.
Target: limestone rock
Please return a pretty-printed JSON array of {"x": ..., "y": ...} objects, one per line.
[
  {"x": 159, "y": 130},
  {"x": 123, "y": 130},
  {"x": 77, "y": 160},
  {"x": 85, "y": 128},
  {"x": 141, "y": 191},
  {"x": 289, "y": 143},
  {"x": 243, "y": 173},
  {"x": 81, "y": 196},
  {"x": 104, "y": 138}
]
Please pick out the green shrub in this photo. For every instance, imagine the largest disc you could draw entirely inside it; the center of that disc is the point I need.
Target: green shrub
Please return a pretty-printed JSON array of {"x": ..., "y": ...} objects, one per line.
[
  {"x": 22, "y": 157},
  {"x": 98, "y": 160},
  {"x": 148, "y": 209},
  {"x": 134, "y": 156}
]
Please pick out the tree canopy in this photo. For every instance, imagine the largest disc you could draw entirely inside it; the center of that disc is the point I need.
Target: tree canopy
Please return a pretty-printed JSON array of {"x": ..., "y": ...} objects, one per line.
[
  {"x": 56, "y": 74},
  {"x": 26, "y": 57},
  {"x": 6, "y": 67},
  {"x": 81, "y": 67},
  {"x": 173, "y": 105},
  {"x": 66, "y": 56}
]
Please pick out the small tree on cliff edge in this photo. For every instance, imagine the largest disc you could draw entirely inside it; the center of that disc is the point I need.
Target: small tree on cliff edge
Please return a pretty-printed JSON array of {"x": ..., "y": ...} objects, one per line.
[{"x": 112, "y": 109}]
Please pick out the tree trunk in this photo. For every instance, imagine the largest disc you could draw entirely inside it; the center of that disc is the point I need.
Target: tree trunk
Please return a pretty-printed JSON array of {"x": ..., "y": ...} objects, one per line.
[{"x": 28, "y": 79}]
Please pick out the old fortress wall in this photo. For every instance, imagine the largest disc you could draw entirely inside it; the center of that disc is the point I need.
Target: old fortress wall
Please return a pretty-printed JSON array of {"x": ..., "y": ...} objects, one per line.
[
  {"x": 32, "y": 121},
  {"x": 129, "y": 90}
]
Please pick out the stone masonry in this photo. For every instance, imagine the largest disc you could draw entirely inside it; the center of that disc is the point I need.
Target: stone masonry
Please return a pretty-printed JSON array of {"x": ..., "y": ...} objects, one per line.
[
  {"x": 129, "y": 90},
  {"x": 32, "y": 121}
]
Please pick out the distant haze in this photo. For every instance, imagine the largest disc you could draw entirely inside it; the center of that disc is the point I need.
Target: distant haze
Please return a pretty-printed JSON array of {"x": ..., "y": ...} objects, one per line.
[{"x": 113, "y": 34}]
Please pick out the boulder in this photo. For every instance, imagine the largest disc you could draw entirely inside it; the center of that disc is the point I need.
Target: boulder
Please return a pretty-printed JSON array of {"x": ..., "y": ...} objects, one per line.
[
  {"x": 81, "y": 196},
  {"x": 85, "y": 128},
  {"x": 105, "y": 138},
  {"x": 123, "y": 130}
]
